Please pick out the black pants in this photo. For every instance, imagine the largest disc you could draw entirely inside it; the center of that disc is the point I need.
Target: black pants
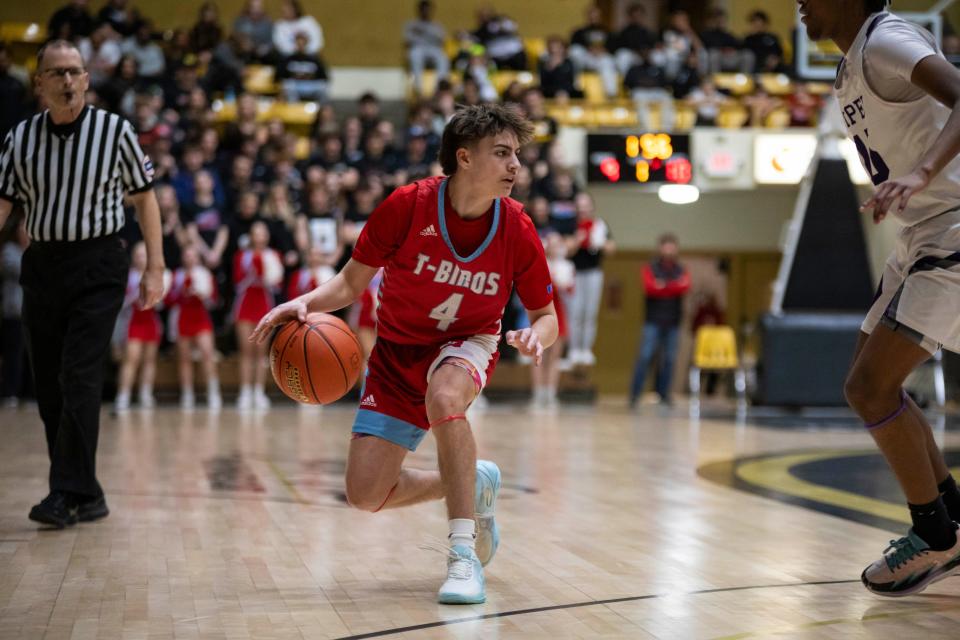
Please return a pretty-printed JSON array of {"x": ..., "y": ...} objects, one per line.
[
  {"x": 11, "y": 373},
  {"x": 72, "y": 292}
]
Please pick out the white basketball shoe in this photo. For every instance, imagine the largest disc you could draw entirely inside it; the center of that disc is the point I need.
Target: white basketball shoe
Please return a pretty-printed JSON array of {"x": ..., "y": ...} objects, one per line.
[{"x": 465, "y": 583}]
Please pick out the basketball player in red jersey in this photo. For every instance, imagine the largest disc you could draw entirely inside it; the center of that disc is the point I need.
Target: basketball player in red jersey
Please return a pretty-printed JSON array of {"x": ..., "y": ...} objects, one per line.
[{"x": 452, "y": 249}]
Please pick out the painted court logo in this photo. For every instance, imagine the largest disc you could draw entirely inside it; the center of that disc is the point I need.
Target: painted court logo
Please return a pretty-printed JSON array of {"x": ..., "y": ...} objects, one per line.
[
  {"x": 368, "y": 401},
  {"x": 429, "y": 231}
]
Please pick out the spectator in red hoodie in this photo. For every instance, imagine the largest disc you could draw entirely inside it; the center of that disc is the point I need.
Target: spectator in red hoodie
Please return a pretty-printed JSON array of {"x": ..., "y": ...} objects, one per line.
[{"x": 665, "y": 282}]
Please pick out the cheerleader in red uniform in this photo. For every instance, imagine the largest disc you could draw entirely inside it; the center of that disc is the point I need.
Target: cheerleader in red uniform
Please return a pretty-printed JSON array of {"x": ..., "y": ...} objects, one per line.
[
  {"x": 192, "y": 291},
  {"x": 546, "y": 377},
  {"x": 366, "y": 322},
  {"x": 143, "y": 338},
  {"x": 316, "y": 271},
  {"x": 257, "y": 273}
]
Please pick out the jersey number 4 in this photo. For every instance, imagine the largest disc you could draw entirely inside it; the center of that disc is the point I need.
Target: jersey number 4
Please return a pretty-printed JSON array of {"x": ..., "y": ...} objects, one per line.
[
  {"x": 445, "y": 313},
  {"x": 876, "y": 167}
]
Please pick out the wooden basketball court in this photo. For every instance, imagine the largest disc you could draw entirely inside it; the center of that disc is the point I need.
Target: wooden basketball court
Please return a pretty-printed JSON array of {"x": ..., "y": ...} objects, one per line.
[{"x": 615, "y": 525}]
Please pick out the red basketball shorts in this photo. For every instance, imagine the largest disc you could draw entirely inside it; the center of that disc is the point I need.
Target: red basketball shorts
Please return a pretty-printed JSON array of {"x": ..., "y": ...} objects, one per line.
[{"x": 393, "y": 400}]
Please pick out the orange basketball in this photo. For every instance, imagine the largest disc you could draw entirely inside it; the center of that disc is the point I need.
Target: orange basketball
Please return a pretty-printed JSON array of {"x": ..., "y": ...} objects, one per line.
[{"x": 315, "y": 362}]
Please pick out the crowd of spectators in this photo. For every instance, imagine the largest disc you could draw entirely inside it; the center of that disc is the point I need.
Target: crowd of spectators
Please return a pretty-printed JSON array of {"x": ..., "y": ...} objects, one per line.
[
  {"x": 216, "y": 179},
  {"x": 674, "y": 58},
  {"x": 653, "y": 66}
]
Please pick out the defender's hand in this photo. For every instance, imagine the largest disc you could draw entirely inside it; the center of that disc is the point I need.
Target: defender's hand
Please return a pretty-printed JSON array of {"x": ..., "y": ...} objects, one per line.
[{"x": 890, "y": 191}]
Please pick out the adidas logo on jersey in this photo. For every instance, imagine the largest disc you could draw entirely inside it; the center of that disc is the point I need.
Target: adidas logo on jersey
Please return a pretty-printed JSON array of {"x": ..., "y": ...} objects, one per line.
[
  {"x": 368, "y": 401},
  {"x": 429, "y": 231}
]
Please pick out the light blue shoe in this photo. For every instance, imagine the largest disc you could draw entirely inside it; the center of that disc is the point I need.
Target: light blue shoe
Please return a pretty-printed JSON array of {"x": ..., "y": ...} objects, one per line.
[
  {"x": 485, "y": 503},
  {"x": 465, "y": 583}
]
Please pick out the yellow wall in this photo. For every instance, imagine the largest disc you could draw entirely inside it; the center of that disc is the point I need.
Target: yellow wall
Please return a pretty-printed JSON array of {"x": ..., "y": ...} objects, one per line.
[{"x": 358, "y": 32}]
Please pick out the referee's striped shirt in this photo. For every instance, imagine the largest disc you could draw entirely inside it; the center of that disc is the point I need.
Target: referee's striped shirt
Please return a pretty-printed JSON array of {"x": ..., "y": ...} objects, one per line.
[{"x": 71, "y": 179}]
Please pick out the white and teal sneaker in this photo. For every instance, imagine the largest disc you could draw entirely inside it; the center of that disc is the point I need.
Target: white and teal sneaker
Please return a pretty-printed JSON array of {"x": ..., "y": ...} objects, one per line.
[
  {"x": 465, "y": 583},
  {"x": 909, "y": 566},
  {"x": 485, "y": 502}
]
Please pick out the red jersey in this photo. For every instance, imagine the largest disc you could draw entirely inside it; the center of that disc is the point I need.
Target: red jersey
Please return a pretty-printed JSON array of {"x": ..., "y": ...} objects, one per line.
[{"x": 438, "y": 285}]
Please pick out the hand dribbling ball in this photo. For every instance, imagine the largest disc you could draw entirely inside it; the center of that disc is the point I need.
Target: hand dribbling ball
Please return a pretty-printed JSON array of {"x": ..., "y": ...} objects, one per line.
[{"x": 317, "y": 361}]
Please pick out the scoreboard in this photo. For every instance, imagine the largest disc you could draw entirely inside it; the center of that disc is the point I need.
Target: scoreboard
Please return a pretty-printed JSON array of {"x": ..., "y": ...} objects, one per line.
[{"x": 646, "y": 158}]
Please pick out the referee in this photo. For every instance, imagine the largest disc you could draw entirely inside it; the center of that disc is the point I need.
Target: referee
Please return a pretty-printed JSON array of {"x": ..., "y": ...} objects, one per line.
[{"x": 69, "y": 168}]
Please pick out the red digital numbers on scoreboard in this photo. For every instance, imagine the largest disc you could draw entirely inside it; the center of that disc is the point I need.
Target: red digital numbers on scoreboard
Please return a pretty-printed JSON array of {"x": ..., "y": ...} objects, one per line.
[
  {"x": 610, "y": 168},
  {"x": 642, "y": 158},
  {"x": 679, "y": 171}
]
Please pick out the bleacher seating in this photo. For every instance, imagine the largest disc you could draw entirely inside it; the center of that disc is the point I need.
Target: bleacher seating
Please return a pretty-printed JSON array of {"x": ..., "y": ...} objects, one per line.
[
  {"x": 259, "y": 79},
  {"x": 616, "y": 115},
  {"x": 429, "y": 83},
  {"x": 23, "y": 40},
  {"x": 733, "y": 116},
  {"x": 22, "y": 32},
  {"x": 736, "y": 84},
  {"x": 297, "y": 116},
  {"x": 502, "y": 79},
  {"x": 535, "y": 48},
  {"x": 777, "y": 119},
  {"x": 594, "y": 110},
  {"x": 776, "y": 84},
  {"x": 294, "y": 114},
  {"x": 592, "y": 87}
]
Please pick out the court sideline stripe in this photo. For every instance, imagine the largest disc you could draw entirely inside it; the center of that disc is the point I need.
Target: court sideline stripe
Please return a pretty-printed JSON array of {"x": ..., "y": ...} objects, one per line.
[{"x": 589, "y": 603}]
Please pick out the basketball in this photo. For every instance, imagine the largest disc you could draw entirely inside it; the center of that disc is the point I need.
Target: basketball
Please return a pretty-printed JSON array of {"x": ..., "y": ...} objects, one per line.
[{"x": 315, "y": 362}]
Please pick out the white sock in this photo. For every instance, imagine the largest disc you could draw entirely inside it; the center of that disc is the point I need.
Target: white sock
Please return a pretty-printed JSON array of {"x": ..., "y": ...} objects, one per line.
[
  {"x": 146, "y": 390},
  {"x": 258, "y": 390},
  {"x": 186, "y": 391},
  {"x": 123, "y": 397},
  {"x": 213, "y": 387},
  {"x": 463, "y": 531},
  {"x": 246, "y": 390}
]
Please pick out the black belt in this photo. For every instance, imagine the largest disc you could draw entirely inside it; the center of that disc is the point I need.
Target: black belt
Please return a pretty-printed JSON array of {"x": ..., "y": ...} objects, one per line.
[{"x": 61, "y": 246}]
